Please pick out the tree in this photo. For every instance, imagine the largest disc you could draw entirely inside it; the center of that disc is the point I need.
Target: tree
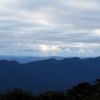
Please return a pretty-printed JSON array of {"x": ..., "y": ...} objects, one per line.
[{"x": 19, "y": 94}]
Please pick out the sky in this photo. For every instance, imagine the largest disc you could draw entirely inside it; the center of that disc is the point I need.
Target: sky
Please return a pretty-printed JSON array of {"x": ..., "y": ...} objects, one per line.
[{"x": 50, "y": 27}]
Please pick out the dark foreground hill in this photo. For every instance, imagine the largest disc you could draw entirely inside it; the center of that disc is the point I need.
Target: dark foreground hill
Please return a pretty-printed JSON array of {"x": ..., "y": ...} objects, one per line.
[
  {"x": 50, "y": 74},
  {"x": 82, "y": 91}
]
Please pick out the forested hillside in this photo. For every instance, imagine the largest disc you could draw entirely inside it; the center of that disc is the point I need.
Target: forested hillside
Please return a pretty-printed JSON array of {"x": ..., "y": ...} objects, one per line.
[{"x": 82, "y": 91}]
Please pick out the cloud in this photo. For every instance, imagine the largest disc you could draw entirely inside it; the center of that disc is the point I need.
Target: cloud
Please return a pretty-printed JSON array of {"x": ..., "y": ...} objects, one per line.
[
  {"x": 41, "y": 26},
  {"x": 81, "y": 50},
  {"x": 67, "y": 50}
]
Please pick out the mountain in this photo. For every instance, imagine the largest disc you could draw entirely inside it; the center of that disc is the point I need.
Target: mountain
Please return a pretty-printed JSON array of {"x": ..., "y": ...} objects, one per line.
[
  {"x": 24, "y": 60},
  {"x": 50, "y": 74}
]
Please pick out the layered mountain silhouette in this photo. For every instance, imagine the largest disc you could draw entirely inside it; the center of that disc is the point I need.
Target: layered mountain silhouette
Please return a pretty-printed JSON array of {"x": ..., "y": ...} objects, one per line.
[
  {"x": 24, "y": 60},
  {"x": 50, "y": 74}
]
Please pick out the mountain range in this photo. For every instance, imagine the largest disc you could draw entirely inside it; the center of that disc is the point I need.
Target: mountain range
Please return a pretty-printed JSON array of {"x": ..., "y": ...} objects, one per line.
[
  {"x": 49, "y": 74},
  {"x": 23, "y": 60}
]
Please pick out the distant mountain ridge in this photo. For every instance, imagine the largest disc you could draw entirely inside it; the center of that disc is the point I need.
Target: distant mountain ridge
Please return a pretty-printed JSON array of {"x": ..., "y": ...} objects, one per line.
[
  {"x": 24, "y": 60},
  {"x": 49, "y": 74}
]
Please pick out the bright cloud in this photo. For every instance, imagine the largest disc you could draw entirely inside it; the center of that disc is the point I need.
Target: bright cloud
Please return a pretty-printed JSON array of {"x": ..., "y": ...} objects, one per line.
[{"x": 81, "y": 50}]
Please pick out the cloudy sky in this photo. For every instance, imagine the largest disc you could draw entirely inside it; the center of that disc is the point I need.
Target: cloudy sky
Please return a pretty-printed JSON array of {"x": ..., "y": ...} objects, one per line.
[{"x": 50, "y": 27}]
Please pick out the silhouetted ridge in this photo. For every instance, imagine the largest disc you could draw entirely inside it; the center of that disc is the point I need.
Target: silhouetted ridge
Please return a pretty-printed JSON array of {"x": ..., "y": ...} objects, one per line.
[
  {"x": 74, "y": 58},
  {"x": 5, "y": 61},
  {"x": 24, "y": 60},
  {"x": 50, "y": 74},
  {"x": 52, "y": 60}
]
